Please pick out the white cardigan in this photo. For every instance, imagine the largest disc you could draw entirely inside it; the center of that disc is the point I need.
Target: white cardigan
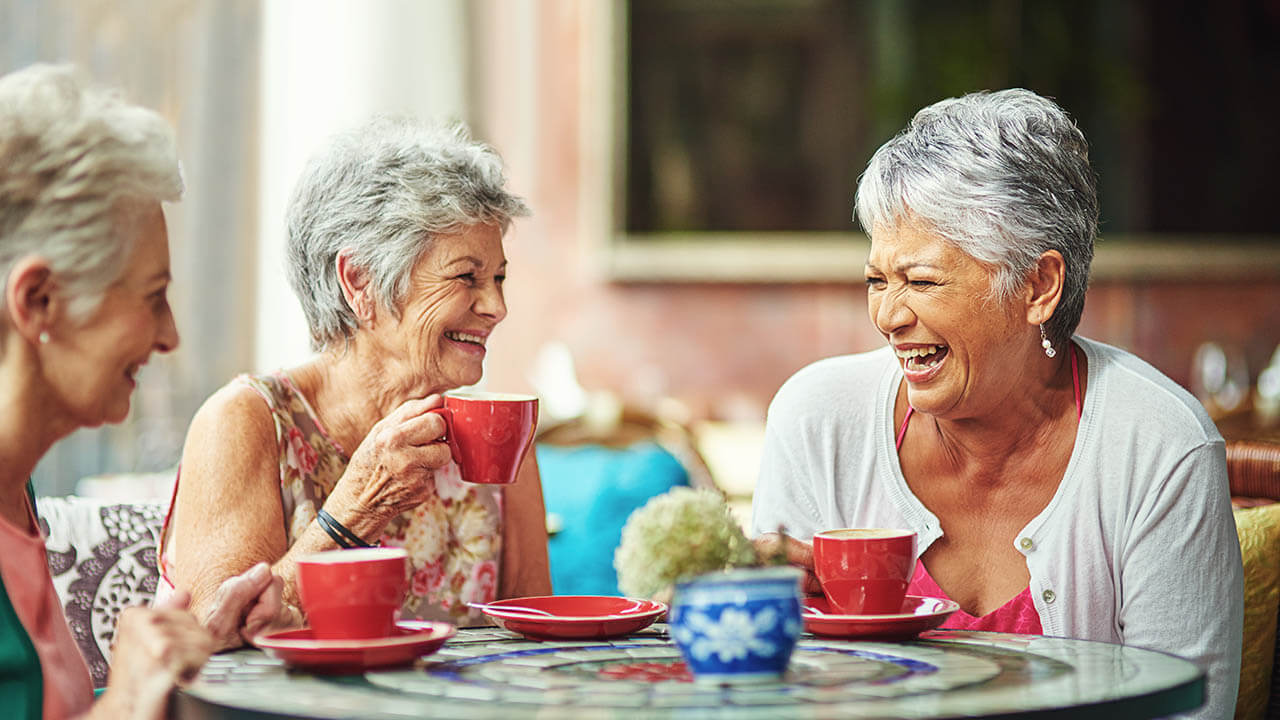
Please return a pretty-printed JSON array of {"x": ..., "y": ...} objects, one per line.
[{"x": 1138, "y": 546}]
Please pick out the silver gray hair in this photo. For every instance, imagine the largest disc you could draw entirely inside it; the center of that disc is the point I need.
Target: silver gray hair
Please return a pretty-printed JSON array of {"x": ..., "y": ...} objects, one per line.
[
  {"x": 1004, "y": 176},
  {"x": 75, "y": 159},
  {"x": 384, "y": 192}
]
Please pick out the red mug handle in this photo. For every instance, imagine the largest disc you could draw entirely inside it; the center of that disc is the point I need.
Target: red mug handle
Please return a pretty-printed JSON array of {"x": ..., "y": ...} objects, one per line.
[{"x": 454, "y": 451}]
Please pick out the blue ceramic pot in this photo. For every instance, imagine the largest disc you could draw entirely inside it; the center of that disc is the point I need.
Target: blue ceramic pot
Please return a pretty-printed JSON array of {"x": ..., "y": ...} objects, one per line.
[{"x": 737, "y": 626}]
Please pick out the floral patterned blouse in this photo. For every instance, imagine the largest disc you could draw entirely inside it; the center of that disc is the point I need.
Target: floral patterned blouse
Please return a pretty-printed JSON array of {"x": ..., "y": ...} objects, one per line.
[{"x": 454, "y": 539}]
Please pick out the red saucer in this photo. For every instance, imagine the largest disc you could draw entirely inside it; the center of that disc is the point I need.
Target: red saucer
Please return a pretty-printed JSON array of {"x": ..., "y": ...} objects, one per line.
[
  {"x": 918, "y": 614},
  {"x": 574, "y": 617},
  {"x": 411, "y": 639}
]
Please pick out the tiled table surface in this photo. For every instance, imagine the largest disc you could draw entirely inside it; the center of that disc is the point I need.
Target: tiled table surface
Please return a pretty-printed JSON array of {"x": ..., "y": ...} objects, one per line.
[{"x": 489, "y": 673}]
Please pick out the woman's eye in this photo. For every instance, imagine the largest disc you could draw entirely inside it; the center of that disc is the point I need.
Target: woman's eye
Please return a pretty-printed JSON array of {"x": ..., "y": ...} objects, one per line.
[
  {"x": 875, "y": 281},
  {"x": 923, "y": 283},
  {"x": 468, "y": 278},
  {"x": 499, "y": 279}
]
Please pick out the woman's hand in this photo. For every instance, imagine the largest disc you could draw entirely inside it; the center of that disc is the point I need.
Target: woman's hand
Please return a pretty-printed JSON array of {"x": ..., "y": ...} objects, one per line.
[
  {"x": 246, "y": 605},
  {"x": 154, "y": 650},
  {"x": 391, "y": 471},
  {"x": 772, "y": 545}
]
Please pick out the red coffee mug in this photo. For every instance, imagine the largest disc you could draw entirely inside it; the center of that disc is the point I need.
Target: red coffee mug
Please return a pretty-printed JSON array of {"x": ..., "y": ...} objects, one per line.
[
  {"x": 489, "y": 433},
  {"x": 864, "y": 571},
  {"x": 353, "y": 594}
]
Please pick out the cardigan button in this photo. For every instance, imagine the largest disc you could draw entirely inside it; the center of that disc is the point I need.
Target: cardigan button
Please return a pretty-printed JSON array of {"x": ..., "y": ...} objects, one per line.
[
  {"x": 1026, "y": 543},
  {"x": 1049, "y": 597}
]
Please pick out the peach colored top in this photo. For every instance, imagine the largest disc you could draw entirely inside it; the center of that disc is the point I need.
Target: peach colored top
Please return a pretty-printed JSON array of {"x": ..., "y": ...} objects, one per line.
[{"x": 68, "y": 689}]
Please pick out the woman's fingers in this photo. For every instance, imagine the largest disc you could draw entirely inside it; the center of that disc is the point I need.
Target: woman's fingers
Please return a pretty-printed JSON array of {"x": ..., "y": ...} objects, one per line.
[
  {"x": 265, "y": 610},
  {"x": 423, "y": 429},
  {"x": 171, "y": 642},
  {"x": 235, "y": 600},
  {"x": 776, "y": 545}
]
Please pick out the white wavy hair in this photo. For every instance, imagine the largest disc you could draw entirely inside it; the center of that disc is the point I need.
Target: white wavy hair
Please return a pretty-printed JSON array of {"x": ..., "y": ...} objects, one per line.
[
  {"x": 1004, "y": 176},
  {"x": 75, "y": 160},
  {"x": 384, "y": 192}
]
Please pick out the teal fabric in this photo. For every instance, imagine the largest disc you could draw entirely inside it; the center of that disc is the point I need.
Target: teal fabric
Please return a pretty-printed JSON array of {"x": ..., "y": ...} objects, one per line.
[
  {"x": 592, "y": 490},
  {"x": 21, "y": 684}
]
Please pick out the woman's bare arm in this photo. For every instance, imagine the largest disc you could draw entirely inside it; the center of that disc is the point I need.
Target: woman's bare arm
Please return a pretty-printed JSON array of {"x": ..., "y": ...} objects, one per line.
[
  {"x": 228, "y": 514},
  {"x": 525, "y": 568}
]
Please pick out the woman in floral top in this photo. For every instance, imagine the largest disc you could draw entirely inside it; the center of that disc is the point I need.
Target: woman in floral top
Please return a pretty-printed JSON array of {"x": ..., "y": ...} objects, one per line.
[{"x": 395, "y": 250}]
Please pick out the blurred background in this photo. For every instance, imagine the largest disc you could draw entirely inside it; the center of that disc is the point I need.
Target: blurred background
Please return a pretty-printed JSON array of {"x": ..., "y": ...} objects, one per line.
[{"x": 691, "y": 165}]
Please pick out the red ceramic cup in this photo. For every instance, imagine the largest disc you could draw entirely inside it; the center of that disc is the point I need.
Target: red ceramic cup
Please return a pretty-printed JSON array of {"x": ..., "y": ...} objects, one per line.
[
  {"x": 489, "y": 434},
  {"x": 864, "y": 571},
  {"x": 352, "y": 594}
]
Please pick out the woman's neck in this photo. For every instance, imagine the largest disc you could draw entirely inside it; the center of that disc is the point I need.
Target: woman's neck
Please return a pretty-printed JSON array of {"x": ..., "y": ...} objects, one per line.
[
  {"x": 1036, "y": 413},
  {"x": 27, "y": 427},
  {"x": 350, "y": 389}
]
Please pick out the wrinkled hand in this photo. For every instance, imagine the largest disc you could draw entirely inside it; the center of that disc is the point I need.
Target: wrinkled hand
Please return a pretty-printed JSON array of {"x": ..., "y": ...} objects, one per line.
[
  {"x": 391, "y": 471},
  {"x": 799, "y": 554},
  {"x": 246, "y": 605},
  {"x": 154, "y": 650}
]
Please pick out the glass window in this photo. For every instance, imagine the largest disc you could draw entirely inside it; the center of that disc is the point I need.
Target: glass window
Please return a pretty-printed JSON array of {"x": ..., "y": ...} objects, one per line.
[{"x": 759, "y": 115}]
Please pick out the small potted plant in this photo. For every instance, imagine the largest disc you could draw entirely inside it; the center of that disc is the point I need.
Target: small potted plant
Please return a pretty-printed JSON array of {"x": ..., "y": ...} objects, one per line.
[{"x": 734, "y": 615}]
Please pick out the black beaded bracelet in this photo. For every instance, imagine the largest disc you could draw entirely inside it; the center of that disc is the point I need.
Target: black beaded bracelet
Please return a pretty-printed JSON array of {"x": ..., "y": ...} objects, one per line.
[{"x": 339, "y": 532}]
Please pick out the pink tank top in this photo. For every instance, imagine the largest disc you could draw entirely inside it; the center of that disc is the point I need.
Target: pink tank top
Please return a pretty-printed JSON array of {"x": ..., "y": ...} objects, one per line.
[
  {"x": 68, "y": 689},
  {"x": 1019, "y": 614}
]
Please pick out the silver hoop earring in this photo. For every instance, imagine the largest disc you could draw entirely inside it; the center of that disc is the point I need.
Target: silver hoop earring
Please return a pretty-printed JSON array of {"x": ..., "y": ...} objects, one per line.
[
  {"x": 44, "y": 337},
  {"x": 1044, "y": 343}
]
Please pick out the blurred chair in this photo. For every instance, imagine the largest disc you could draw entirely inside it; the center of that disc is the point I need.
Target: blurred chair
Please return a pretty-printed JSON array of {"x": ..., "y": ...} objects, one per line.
[
  {"x": 102, "y": 555},
  {"x": 1253, "y": 471},
  {"x": 594, "y": 474},
  {"x": 1253, "y": 467}
]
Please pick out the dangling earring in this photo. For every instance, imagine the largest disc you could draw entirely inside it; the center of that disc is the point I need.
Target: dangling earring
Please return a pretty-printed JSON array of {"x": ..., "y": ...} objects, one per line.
[
  {"x": 1044, "y": 343},
  {"x": 44, "y": 337}
]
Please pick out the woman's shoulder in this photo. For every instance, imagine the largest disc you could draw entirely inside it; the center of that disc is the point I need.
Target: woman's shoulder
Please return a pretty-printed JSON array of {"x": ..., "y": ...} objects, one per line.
[
  {"x": 241, "y": 403},
  {"x": 844, "y": 381},
  {"x": 1135, "y": 392}
]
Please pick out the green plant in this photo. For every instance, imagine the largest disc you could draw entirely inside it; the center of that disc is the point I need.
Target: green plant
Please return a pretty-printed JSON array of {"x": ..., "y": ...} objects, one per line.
[{"x": 676, "y": 536}]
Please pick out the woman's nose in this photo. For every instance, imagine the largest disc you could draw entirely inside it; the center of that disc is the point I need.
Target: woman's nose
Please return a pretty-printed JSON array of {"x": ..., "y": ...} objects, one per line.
[
  {"x": 167, "y": 334},
  {"x": 890, "y": 313},
  {"x": 491, "y": 303}
]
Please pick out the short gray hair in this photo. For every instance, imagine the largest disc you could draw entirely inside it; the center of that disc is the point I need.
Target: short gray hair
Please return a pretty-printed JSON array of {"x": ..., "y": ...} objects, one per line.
[
  {"x": 1004, "y": 176},
  {"x": 384, "y": 192},
  {"x": 74, "y": 157}
]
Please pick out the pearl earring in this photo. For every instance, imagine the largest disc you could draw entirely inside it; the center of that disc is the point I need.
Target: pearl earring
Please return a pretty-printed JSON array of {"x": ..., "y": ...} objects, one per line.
[
  {"x": 1044, "y": 343},
  {"x": 44, "y": 337}
]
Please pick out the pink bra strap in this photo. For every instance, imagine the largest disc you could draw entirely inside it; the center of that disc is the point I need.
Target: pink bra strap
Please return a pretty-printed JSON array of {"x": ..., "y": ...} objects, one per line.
[
  {"x": 903, "y": 431},
  {"x": 1075, "y": 386}
]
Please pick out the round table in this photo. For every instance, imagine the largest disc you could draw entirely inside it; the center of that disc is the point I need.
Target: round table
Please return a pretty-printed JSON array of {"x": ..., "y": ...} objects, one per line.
[{"x": 490, "y": 673}]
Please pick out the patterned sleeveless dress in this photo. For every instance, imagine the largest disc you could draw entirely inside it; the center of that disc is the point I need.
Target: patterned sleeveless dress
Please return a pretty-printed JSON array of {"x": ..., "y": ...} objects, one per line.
[{"x": 454, "y": 539}]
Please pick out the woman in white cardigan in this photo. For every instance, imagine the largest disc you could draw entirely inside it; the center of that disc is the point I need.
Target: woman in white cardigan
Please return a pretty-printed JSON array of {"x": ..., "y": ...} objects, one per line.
[{"x": 1057, "y": 485}]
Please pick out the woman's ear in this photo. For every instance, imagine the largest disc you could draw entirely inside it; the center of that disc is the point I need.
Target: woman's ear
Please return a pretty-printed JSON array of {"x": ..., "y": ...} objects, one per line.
[
  {"x": 355, "y": 288},
  {"x": 29, "y": 298},
  {"x": 1044, "y": 287}
]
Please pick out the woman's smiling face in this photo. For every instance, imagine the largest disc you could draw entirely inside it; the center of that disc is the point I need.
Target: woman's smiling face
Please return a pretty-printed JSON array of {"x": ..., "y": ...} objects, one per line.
[
  {"x": 959, "y": 348},
  {"x": 454, "y": 302},
  {"x": 95, "y": 375}
]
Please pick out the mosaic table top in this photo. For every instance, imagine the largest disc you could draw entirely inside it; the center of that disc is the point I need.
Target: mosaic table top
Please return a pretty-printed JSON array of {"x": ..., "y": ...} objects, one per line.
[{"x": 490, "y": 673}]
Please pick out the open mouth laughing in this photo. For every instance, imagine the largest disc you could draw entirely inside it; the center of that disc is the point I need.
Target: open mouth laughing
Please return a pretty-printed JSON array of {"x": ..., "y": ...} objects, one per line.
[
  {"x": 919, "y": 361},
  {"x": 466, "y": 338}
]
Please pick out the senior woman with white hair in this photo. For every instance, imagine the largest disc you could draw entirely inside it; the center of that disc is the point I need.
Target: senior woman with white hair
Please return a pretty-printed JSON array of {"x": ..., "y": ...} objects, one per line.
[
  {"x": 1057, "y": 485},
  {"x": 85, "y": 256},
  {"x": 395, "y": 250}
]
